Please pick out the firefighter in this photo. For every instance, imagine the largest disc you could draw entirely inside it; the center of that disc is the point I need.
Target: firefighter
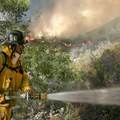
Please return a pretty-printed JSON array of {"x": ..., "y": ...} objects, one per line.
[{"x": 13, "y": 79}]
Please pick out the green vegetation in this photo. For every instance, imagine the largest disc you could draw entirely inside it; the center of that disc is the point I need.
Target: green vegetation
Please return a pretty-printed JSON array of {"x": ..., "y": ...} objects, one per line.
[
  {"x": 52, "y": 70},
  {"x": 50, "y": 67},
  {"x": 105, "y": 71},
  {"x": 13, "y": 12}
]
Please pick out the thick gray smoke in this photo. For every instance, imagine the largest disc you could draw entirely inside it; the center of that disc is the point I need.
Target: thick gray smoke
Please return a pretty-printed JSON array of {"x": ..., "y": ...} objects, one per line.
[{"x": 69, "y": 18}]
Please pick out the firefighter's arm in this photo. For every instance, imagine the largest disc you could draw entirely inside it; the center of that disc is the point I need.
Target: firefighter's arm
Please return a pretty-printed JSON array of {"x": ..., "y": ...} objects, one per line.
[
  {"x": 1, "y": 62},
  {"x": 27, "y": 88},
  {"x": 2, "y": 97}
]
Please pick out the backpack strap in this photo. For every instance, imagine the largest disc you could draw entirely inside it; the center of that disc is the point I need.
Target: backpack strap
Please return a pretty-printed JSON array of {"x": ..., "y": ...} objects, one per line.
[
  {"x": 19, "y": 68},
  {"x": 4, "y": 61}
]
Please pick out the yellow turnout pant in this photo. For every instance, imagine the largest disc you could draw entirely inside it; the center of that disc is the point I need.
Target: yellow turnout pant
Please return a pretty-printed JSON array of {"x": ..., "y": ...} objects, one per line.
[{"x": 5, "y": 112}]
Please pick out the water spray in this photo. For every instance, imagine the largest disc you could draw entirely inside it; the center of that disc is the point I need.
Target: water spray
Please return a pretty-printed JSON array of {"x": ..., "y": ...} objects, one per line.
[{"x": 109, "y": 96}]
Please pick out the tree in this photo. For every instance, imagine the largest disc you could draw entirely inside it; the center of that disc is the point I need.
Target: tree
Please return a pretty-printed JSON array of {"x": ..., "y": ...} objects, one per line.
[
  {"x": 14, "y": 9},
  {"x": 13, "y": 12},
  {"x": 105, "y": 71}
]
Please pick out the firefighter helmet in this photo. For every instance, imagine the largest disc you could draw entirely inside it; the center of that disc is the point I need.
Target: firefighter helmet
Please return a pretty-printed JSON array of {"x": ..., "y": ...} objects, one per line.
[{"x": 15, "y": 37}]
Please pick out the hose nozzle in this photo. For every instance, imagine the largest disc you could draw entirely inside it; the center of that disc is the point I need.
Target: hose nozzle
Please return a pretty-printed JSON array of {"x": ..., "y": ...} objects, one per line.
[{"x": 43, "y": 96}]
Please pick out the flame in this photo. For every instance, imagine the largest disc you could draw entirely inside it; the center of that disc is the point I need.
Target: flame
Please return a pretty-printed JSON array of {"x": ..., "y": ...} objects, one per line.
[
  {"x": 57, "y": 25},
  {"x": 40, "y": 35},
  {"x": 87, "y": 13},
  {"x": 29, "y": 38},
  {"x": 70, "y": 18}
]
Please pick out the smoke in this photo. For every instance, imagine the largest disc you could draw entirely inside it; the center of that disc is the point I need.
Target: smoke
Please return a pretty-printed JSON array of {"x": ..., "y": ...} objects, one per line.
[{"x": 69, "y": 18}]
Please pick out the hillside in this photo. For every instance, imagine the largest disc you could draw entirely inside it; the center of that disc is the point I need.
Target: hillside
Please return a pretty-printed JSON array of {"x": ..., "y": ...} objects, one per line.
[{"x": 109, "y": 31}]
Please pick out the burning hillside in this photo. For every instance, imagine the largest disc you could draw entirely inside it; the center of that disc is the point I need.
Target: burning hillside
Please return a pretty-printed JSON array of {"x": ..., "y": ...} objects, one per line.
[{"x": 68, "y": 18}]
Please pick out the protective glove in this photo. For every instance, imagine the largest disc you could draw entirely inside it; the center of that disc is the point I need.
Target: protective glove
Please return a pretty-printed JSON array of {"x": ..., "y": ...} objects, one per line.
[
  {"x": 42, "y": 96},
  {"x": 2, "y": 98},
  {"x": 35, "y": 95}
]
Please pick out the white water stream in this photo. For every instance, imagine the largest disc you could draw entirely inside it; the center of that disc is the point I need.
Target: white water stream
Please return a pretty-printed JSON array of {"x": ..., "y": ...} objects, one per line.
[{"x": 109, "y": 96}]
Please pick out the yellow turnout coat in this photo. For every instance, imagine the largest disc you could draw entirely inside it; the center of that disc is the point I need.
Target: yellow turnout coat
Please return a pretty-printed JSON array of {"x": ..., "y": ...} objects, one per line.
[{"x": 12, "y": 80}]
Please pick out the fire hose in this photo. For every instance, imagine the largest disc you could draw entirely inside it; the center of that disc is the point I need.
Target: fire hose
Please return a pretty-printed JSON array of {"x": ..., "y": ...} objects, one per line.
[{"x": 109, "y": 96}]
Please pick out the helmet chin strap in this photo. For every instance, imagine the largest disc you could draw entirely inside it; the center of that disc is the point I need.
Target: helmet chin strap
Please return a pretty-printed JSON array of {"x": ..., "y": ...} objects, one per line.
[
  {"x": 15, "y": 58},
  {"x": 13, "y": 48},
  {"x": 14, "y": 55}
]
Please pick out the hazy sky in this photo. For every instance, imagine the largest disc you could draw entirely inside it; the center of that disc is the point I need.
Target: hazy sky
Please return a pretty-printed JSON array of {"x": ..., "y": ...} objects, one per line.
[{"x": 40, "y": 5}]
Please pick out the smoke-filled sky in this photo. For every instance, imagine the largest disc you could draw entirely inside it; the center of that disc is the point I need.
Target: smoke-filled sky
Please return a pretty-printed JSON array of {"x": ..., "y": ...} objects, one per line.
[{"x": 69, "y": 18}]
